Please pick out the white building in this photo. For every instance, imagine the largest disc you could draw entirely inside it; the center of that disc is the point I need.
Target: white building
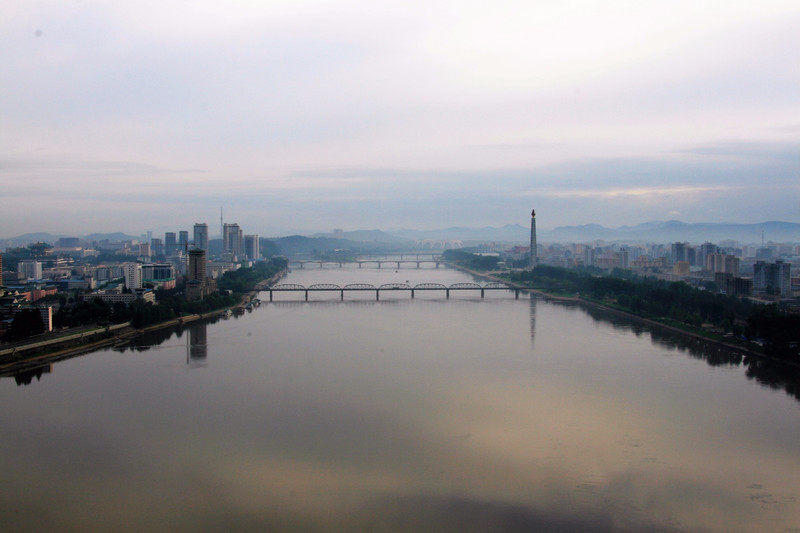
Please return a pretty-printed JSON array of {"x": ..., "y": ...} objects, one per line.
[
  {"x": 31, "y": 269},
  {"x": 133, "y": 275}
]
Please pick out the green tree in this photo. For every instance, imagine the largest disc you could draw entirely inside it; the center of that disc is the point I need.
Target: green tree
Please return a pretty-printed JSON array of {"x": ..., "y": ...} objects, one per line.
[{"x": 26, "y": 323}]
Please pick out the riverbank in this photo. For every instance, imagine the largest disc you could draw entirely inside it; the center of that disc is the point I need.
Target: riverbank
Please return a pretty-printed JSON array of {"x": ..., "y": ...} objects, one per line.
[
  {"x": 39, "y": 352},
  {"x": 737, "y": 348}
]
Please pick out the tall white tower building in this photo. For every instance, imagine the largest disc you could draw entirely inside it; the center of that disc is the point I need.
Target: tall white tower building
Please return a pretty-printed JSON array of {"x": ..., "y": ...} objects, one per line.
[{"x": 133, "y": 275}]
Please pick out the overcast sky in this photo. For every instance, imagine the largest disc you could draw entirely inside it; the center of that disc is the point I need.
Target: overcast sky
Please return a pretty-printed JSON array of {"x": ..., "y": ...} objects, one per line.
[{"x": 313, "y": 115}]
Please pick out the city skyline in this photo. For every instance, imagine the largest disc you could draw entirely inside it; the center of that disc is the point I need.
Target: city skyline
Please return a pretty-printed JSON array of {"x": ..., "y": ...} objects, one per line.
[{"x": 307, "y": 116}]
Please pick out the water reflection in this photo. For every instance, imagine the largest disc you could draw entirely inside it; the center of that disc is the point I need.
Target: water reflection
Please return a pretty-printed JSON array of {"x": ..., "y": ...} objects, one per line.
[
  {"x": 399, "y": 416},
  {"x": 25, "y": 377},
  {"x": 197, "y": 345},
  {"x": 772, "y": 374}
]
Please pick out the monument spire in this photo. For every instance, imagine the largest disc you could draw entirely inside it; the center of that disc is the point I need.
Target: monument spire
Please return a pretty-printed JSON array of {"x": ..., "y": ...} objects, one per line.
[{"x": 534, "y": 258}]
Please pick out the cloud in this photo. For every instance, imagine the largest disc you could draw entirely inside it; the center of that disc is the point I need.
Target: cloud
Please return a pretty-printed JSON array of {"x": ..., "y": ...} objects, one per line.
[
  {"x": 641, "y": 192},
  {"x": 313, "y": 105}
]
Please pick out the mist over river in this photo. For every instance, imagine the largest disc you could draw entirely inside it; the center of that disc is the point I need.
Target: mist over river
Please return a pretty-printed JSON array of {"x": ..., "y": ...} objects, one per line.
[{"x": 425, "y": 414}]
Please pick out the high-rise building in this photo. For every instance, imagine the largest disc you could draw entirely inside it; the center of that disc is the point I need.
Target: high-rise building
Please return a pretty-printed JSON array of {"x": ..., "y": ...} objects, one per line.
[
  {"x": 197, "y": 265},
  {"x": 170, "y": 243},
  {"x": 534, "y": 256},
  {"x": 706, "y": 249},
  {"x": 251, "y": 247},
  {"x": 133, "y": 275},
  {"x": 625, "y": 258},
  {"x": 722, "y": 263},
  {"x": 197, "y": 285},
  {"x": 232, "y": 238},
  {"x": 156, "y": 247},
  {"x": 679, "y": 251},
  {"x": 201, "y": 236},
  {"x": 183, "y": 240},
  {"x": 588, "y": 256},
  {"x": 772, "y": 278}
]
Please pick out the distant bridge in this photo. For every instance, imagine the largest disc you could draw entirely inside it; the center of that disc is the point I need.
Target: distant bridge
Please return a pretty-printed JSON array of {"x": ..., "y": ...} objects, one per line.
[
  {"x": 361, "y": 262},
  {"x": 390, "y": 287}
]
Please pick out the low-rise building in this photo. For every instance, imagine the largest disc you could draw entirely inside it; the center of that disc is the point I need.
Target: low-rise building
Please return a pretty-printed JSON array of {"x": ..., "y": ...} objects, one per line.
[{"x": 125, "y": 297}]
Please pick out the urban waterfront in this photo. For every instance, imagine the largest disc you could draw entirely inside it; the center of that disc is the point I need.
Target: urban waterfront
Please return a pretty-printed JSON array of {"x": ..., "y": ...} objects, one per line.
[{"x": 470, "y": 414}]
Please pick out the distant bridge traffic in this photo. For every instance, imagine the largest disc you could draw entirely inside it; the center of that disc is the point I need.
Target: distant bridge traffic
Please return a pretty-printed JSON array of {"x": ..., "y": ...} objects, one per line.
[
  {"x": 361, "y": 262},
  {"x": 389, "y": 287}
]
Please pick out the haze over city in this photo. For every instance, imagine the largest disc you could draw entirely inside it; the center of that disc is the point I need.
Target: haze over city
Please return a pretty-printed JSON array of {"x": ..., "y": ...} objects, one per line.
[{"x": 313, "y": 115}]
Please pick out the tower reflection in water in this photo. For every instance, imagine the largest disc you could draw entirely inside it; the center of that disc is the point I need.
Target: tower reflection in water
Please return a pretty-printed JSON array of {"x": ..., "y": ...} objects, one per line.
[
  {"x": 197, "y": 345},
  {"x": 533, "y": 319}
]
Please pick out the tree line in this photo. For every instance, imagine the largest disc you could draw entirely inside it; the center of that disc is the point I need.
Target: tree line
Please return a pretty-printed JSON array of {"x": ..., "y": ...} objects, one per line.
[
  {"x": 171, "y": 303},
  {"x": 673, "y": 302}
]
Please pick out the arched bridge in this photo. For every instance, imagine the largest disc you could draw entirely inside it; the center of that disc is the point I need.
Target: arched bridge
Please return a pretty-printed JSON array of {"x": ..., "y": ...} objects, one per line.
[{"x": 404, "y": 287}]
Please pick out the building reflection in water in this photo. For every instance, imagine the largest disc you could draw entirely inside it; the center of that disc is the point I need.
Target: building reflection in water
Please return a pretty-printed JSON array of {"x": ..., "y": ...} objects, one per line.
[
  {"x": 197, "y": 345},
  {"x": 25, "y": 377}
]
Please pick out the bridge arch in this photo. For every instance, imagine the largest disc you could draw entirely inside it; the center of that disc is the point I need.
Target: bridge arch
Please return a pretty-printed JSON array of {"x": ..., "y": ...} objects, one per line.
[
  {"x": 465, "y": 286},
  {"x": 430, "y": 286},
  {"x": 360, "y": 286},
  {"x": 390, "y": 286},
  {"x": 324, "y": 287}
]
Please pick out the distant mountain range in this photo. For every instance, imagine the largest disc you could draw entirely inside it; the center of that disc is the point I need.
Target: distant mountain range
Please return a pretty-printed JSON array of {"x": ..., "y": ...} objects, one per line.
[
  {"x": 676, "y": 231},
  {"x": 656, "y": 231},
  {"x": 507, "y": 233},
  {"x": 374, "y": 235},
  {"x": 27, "y": 238}
]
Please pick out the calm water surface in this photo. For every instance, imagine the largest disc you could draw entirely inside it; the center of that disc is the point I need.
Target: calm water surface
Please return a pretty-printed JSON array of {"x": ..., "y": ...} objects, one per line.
[{"x": 401, "y": 415}]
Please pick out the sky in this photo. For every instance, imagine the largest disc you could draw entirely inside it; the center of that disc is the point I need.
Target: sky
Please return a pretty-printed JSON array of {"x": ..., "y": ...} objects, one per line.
[{"x": 301, "y": 116}]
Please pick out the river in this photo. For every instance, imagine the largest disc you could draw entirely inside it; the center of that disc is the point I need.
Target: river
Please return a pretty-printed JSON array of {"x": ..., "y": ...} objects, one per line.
[{"x": 431, "y": 414}]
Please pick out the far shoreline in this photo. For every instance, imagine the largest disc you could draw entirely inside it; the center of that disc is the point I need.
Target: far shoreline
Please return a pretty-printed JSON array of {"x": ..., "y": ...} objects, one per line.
[
  {"x": 647, "y": 321},
  {"x": 123, "y": 333}
]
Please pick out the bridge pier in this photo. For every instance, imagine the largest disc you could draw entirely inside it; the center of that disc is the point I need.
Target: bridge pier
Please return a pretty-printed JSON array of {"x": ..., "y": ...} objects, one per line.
[
  {"x": 270, "y": 295},
  {"x": 516, "y": 294},
  {"x": 417, "y": 264},
  {"x": 377, "y": 295},
  {"x": 341, "y": 298},
  {"x": 447, "y": 294},
  {"x": 359, "y": 264},
  {"x": 412, "y": 294},
  {"x": 306, "y": 294},
  {"x": 398, "y": 265},
  {"x": 481, "y": 293}
]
